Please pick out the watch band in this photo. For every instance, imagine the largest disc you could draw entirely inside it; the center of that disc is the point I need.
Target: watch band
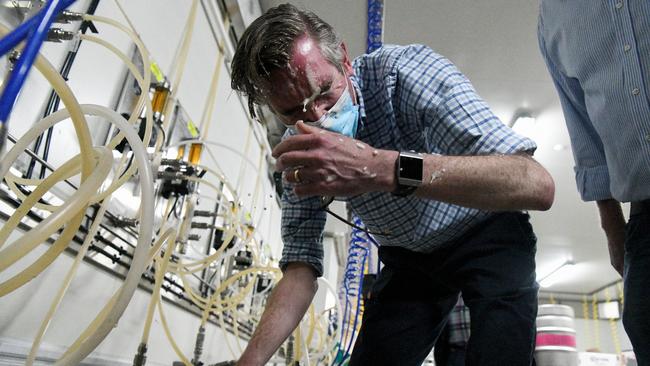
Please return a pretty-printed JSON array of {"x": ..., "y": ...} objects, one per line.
[{"x": 408, "y": 173}]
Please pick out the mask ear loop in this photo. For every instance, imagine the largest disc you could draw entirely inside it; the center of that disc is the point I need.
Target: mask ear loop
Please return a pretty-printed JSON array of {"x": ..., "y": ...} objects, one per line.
[{"x": 349, "y": 86}]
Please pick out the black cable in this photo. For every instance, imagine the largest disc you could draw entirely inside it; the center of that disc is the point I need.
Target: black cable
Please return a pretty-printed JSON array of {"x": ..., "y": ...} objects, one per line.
[
  {"x": 325, "y": 202},
  {"x": 353, "y": 225},
  {"x": 173, "y": 208},
  {"x": 176, "y": 213},
  {"x": 204, "y": 273},
  {"x": 162, "y": 130},
  {"x": 52, "y": 105},
  {"x": 128, "y": 165}
]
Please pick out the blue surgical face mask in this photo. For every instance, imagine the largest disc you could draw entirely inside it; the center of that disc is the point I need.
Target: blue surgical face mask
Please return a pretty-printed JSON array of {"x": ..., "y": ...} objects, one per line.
[{"x": 342, "y": 118}]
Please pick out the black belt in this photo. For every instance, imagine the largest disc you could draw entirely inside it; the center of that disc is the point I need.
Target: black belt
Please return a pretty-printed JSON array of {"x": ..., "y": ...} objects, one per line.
[{"x": 640, "y": 207}]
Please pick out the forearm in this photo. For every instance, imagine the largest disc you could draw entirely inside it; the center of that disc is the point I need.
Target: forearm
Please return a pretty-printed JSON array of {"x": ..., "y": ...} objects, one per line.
[
  {"x": 286, "y": 307},
  {"x": 325, "y": 164},
  {"x": 489, "y": 182},
  {"x": 611, "y": 215},
  {"x": 492, "y": 182},
  {"x": 613, "y": 223}
]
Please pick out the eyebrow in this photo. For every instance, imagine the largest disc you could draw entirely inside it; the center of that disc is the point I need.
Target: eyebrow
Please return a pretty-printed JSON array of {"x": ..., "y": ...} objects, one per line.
[{"x": 325, "y": 88}]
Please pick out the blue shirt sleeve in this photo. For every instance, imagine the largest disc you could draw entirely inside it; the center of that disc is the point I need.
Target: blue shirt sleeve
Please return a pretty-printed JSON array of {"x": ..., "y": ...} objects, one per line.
[
  {"x": 591, "y": 173},
  {"x": 303, "y": 222},
  {"x": 455, "y": 120}
]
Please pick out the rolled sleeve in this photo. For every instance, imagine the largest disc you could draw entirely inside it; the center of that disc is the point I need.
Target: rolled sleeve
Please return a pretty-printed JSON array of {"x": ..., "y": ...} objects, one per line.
[
  {"x": 593, "y": 183},
  {"x": 303, "y": 222}
]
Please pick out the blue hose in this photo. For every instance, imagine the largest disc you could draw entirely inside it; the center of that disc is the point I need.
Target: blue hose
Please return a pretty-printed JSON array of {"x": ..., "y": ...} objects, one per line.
[
  {"x": 36, "y": 30},
  {"x": 12, "y": 39},
  {"x": 358, "y": 260}
]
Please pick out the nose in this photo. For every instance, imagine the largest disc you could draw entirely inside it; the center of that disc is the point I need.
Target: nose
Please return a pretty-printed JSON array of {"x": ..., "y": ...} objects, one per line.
[{"x": 314, "y": 111}]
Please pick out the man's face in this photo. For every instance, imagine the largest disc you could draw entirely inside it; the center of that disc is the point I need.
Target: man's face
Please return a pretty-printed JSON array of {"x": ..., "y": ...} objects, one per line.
[{"x": 309, "y": 86}]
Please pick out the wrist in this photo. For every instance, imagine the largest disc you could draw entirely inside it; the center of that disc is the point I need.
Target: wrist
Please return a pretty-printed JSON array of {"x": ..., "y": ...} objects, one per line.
[
  {"x": 408, "y": 173},
  {"x": 248, "y": 360},
  {"x": 386, "y": 180}
]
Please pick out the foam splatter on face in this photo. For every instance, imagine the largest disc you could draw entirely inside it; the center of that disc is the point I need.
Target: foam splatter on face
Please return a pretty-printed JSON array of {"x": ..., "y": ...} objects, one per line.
[
  {"x": 313, "y": 84},
  {"x": 307, "y": 87},
  {"x": 304, "y": 47}
]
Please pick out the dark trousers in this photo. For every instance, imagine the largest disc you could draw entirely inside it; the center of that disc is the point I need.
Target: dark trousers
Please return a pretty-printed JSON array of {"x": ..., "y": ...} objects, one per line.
[
  {"x": 494, "y": 267},
  {"x": 636, "y": 311},
  {"x": 446, "y": 354},
  {"x": 454, "y": 356}
]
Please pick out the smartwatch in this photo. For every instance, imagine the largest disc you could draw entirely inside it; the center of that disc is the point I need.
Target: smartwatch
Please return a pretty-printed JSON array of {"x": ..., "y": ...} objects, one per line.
[{"x": 408, "y": 173}]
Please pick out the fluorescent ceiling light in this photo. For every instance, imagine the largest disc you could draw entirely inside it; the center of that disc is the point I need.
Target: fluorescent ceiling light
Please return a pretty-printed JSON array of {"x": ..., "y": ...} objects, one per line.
[
  {"x": 559, "y": 274},
  {"x": 549, "y": 266}
]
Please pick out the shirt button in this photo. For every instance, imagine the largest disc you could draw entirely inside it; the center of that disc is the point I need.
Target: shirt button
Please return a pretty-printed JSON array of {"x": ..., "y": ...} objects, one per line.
[
  {"x": 619, "y": 5},
  {"x": 636, "y": 91},
  {"x": 647, "y": 137},
  {"x": 627, "y": 48}
]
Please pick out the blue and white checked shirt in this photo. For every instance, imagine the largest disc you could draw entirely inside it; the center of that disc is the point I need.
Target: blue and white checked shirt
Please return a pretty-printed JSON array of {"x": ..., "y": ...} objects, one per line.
[
  {"x": 411, "y": 99},
  {"x": 598, "y": 53},
  {"x": 459, "y": 324}
]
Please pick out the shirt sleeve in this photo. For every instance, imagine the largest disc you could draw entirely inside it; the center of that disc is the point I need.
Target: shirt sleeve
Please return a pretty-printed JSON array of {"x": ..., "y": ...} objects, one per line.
[
  {"x": 303, "y": 222},
  {"x": 591, "y": 173},
  {"x": 455, "y": 120}
]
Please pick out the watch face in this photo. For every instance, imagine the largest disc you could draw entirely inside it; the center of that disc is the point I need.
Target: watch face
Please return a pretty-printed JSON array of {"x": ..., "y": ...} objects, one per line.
[{"x": 410, "y": 169}]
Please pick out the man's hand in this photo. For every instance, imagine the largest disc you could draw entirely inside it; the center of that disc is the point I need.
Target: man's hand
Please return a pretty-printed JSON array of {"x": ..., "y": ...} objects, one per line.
[
  {"x": 613, "y": 223},
  {"x": 616, "y": 246},
  {"x": 324, "y": 163},
  {"x": 284, "y": 310}
]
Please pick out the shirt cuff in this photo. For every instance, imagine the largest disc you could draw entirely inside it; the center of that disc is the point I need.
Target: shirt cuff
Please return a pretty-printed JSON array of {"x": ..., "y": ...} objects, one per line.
[
  {"x": 316, "y": 263},
  {"x": 593, "y": 183}
]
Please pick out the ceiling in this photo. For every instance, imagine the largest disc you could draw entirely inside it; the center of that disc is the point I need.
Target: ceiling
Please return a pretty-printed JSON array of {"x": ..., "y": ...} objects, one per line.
[{"x": 495, "y": 44}]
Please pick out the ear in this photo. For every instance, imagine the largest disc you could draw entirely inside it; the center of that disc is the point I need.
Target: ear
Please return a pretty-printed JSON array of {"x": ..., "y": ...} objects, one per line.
[{"x": 347, "y": 64}]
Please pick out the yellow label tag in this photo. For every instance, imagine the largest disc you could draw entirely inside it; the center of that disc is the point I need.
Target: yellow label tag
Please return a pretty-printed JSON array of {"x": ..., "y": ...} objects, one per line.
[
  {"x": 155, "y": 70},
  {"x": 192, "y": 128}
]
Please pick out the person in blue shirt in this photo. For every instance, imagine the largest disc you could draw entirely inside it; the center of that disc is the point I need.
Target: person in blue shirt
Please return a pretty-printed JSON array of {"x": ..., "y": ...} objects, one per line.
[
  {"x": 598, "y": 54},
  {"x": 403, "y": 137}
]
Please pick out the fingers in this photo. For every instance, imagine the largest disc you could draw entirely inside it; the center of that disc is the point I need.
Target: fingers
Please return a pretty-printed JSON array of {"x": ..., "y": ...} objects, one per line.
[
  {"x": 305, "y": 175},
  {"x": 293, "y": 143},
  {"x": 304, "y": 128},
  {"x": 294, "y": 159},
  {"x": 309, "y": 137}
]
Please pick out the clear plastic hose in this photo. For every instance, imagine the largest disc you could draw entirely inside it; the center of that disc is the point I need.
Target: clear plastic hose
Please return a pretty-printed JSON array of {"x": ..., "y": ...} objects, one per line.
[{"x": 140, "y": 257}]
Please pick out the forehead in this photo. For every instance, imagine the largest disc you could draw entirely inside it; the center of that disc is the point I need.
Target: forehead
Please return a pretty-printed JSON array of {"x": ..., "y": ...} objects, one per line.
[
  {"x": 307, "y": 54},
  {"x": 307, "y": 67}
]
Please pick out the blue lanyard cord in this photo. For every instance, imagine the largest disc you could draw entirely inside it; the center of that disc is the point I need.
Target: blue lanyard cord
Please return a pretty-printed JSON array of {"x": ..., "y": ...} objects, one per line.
[{"x": 35, "y": 31}]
